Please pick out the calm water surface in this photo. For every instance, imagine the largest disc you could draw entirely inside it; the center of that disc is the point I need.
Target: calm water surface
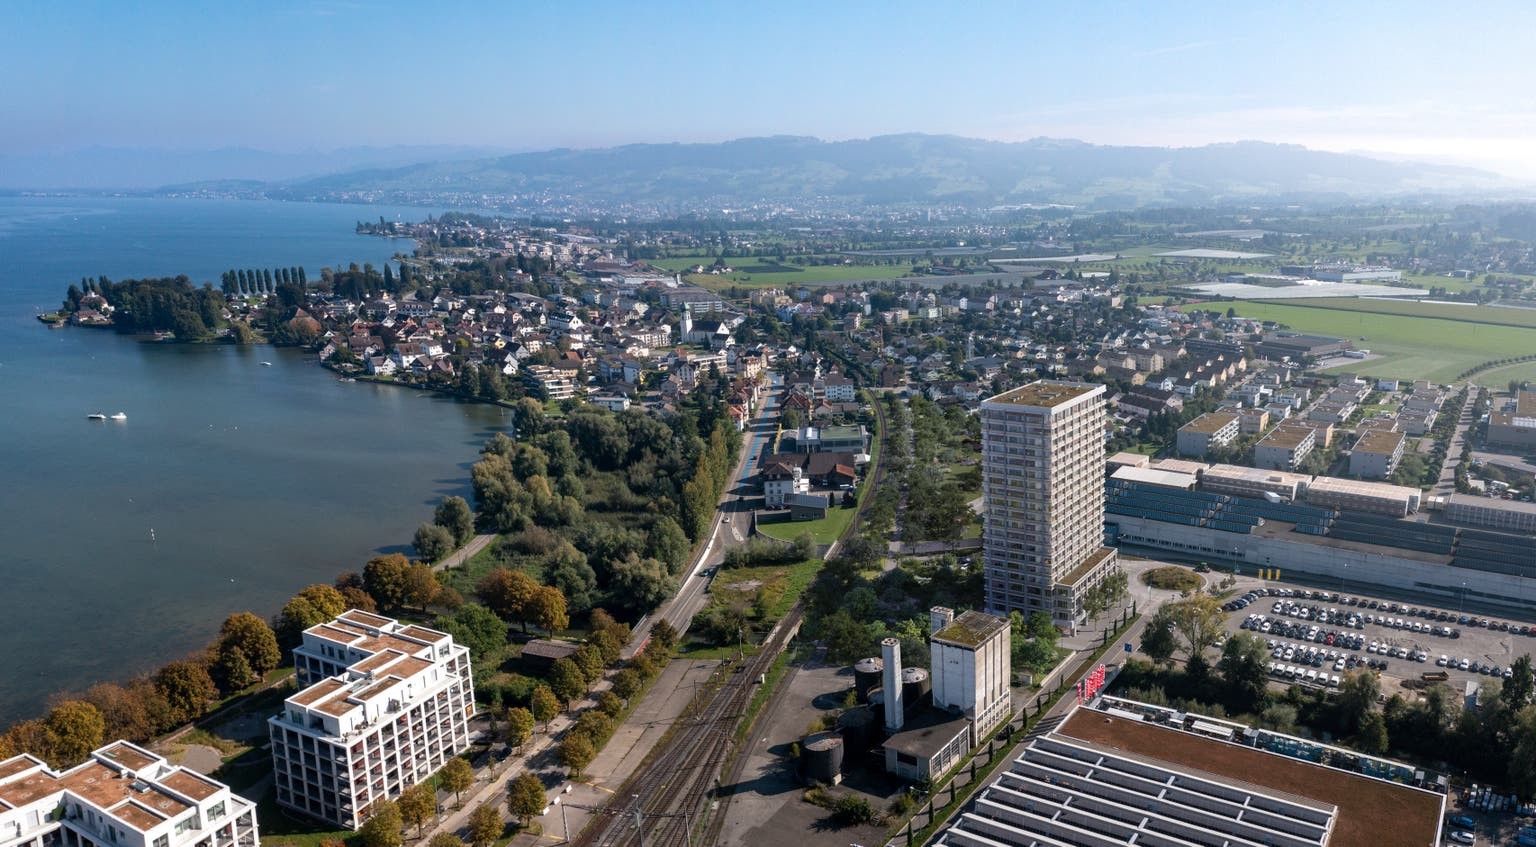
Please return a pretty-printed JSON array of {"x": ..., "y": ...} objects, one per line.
[{"x": 256, "y": 480}]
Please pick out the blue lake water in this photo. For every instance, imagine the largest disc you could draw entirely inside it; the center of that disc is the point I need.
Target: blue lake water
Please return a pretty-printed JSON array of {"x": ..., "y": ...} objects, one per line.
[{"x": 256, "y": 480}]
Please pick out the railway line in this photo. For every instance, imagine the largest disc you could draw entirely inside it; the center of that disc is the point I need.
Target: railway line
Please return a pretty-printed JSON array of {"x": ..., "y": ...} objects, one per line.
[{"x": 661, "y": 803}]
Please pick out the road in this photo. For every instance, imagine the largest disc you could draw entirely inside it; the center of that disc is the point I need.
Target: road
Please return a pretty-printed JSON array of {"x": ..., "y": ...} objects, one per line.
[
  {"x": 1446, "y": 485},
  {"x": 465, "y": 553},
  {"x": 729, "y": 526}
]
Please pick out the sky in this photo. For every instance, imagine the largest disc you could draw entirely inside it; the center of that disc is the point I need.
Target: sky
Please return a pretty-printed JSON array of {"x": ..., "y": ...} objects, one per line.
[{"x": 1442, "y": 82}]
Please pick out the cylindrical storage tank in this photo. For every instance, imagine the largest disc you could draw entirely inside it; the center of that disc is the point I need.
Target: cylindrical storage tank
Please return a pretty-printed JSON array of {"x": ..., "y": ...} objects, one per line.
[
  {"x": 915, "y": 687},
  {"x": 860, "y": 728},
  {"x": 823, "y": 753},
  {"x": 866, "y": 677}
]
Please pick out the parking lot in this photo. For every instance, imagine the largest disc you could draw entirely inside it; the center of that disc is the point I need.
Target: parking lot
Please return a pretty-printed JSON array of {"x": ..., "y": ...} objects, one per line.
[{"x": 1329, "y": 634}]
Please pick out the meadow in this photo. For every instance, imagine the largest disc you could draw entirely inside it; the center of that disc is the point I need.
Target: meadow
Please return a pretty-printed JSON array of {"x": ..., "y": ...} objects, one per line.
[
  {"x": 1409, "y": 346},
  {"x": 766, "y": 272}
]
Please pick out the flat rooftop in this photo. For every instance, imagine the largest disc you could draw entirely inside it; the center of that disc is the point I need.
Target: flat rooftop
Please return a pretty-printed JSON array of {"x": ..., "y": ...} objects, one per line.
[
  {"x": 1045, "y": 393},
  {"x": 1287, "y": 437},
  {"x": 1370, "y": 812},
  {"x": 1379, "y": 441},
  {"x": 971, "y": 628},
  {"x": 1472, "y": 501},
  {"x": 1253, "y": 476},
  {"x": 928, "y": 732},
  {"x": 1361, "y": 488},
  {"x": 1210, "y": 422}
]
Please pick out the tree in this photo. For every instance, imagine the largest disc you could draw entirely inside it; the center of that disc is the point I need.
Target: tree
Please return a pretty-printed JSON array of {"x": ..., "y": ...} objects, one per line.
[
  {"x": 641, "y": 584},
  {"x": 485, "y": 826},
  {"x": 525, "y": 797},
  {"x": 253, "y": 638},
  {"x": 445, "y": 839},
  {"x": 507, "y": 593},
  {"x": 417, "y": 805},
  {"x": 476, "y": 627},
  {"x": 187, "y": 687},
  {"x": 576, "y": 752},
  {"x": 73, "y": 728},
  {"x": 1157, "y": 640},
  {"x": 384, "y": 579},
  {"x": 1358, "y": 692},
  {"x": 544, "y": 704},
  {"x": 1198, "y": 620},
  {"x": 1372, "y": 737},
  {"x": 313, "y": 605},
  {"x": 626, "y": 683},
  {"x": 230, "y": 670},
  {"x": 664, "y": 633},
  {"x": 519, "y": 726},
  {"x": 610, "y": 703},
  {"x": 421, "y": 585},
  {"x": 1244, "y": 671},
  {"x": 853, "y": 810},
  {"x": 1520, "y": 688},
  {"x": 1522, "y": 759},
  {"x": 457, "y": 775},
  {"x": 667, "y": 543},
  {"x": 589, "y": 660},
  {"x": 434, "y": 543},
  {"x": 382, "y": 829},
  {"x": 567, "y": 681},
  {"x": 546, "y": 609},
  {"x": 455, "y": 516}
]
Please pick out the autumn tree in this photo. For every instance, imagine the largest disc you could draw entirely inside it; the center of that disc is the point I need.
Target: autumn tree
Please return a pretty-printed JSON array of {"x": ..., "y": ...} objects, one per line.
[
  {"x": 382, "y": 829},
  {"x": 445, "y": 839},
  {"x": 546, "y": 610},
  {"x": 421, "y": 586},
  {"x": 456, "y": 776},
  {"x": 626, "y": 683},
  {"x": 576, "y": 752},
  {"x": 73, "y": 728},
  {"x": 519, "y": 726},
  {"x": 313, "y": 605},
  {"x": 664, "y": 633},
  {"x": 507, "y": 593},
  {"x": 544, "y": 704},
  {"x": 485, "y": 826},
  {"x": 252, "y": 637},
  {"x": 432, "y": 542},
  {"x": 525, "y": 797},
  {"x": 187, "y": 688},
  {"x": 589, "y": 660},
  {"x": 384, "y": 579},
  {"x": 417, "y": 805}
]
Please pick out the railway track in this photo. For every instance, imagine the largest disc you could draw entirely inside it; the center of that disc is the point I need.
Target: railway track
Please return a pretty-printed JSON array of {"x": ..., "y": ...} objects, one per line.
[{"x": 660, "y": 804}]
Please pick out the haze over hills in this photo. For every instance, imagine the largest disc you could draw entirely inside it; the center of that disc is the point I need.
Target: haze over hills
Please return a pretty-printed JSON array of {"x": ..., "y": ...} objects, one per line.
[
  {"x": 892, "y": 169},
  {"x": 921, "y": 168},
  {"x": 122, "y": 168}
]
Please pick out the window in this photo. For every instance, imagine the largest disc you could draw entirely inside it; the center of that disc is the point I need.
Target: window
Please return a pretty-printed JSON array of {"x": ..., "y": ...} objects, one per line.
[
  {"x": 163, "y": 841},
  {"x": 216, "y": 811}
]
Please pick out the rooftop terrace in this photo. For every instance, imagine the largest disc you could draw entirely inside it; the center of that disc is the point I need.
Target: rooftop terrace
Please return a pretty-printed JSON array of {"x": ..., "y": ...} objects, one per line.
[{"x": 1045, "y": 394}]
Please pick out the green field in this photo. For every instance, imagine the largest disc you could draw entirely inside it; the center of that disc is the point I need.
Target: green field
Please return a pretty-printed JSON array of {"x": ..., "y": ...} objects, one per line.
[
  {"x": 1493, "y": 315},
  {"x": 825, "y": 530},
  {"x": 1409, "y": 347},
  {"x": 765, "y": 272}
]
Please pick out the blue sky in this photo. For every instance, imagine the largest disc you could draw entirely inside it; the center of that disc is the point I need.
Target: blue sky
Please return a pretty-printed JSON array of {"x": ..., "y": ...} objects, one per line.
[{"x": 1437, "y": 81}]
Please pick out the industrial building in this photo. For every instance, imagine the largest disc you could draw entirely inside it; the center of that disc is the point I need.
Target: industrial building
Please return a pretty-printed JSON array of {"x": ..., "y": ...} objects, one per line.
[
  {"x": 1281, "y": 345},
  {"x": 970, "y": 667},
  {"x": 1377, "y": 453},
  {"x": 1506, "y": 515},
  {"x": 1042, "y": 462},
  {"x": 1211, "y": 430},
  {"x": 384, "y": 706},
  {"x": 1515, "y": 424},
  {"x": 1120, "y": 772},
  {"x": 122, "y": 796}
]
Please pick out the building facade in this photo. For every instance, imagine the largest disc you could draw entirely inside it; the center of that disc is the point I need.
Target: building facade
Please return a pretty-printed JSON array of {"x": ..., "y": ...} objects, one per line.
[
  {"x": 384, "y": 706},
  {"x": 122, "y": 796},
  {"x": 1042, "y": 449},
  {"x": 970, "y": 663},
  {"x": 1285, "y": 448},
  {"x": 1210, "y": 430},
  {"x": 1376, "y": 454}
]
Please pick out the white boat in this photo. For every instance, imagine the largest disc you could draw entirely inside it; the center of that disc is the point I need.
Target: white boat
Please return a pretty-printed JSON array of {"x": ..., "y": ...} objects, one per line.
[
  {"x": 266, "y": 364},
  {"x": 119, "y": 417},
  {"x": 96, "y": 416}
]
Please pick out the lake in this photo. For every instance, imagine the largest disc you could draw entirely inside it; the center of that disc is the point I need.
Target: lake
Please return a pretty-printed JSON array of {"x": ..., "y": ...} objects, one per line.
[{"x": 232, "y": 483}]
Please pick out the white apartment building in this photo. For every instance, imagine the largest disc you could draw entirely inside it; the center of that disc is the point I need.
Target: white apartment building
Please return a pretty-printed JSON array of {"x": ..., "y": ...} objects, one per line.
[
  {"x": 123, "y": 796},
  {"x": 780, "y": 481},
  {"x": 1376, "y": 454},
  {"x": 1285, "y": 447},
  {"x": 1042, "y": 468},
  {"x": 970, "y": 662},
  {"x": 1209, "y": 431},
  {"x": 385, "y": 705}
]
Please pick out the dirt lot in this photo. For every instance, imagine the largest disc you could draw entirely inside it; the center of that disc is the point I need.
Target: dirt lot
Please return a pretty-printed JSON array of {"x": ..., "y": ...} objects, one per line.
[{"x": 1371, "y": 813}]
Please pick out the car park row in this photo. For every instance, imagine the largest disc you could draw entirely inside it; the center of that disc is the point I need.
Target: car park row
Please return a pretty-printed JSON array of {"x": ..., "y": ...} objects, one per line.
[{"x": 1380, "y": 612}]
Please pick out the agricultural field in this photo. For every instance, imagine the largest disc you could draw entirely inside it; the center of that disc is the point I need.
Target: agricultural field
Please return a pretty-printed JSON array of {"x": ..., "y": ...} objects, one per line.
[
  {"x": 1494, "y": 315},
  {"x": 765, "y": 272},
  {"x": 1407, "y": 346}
]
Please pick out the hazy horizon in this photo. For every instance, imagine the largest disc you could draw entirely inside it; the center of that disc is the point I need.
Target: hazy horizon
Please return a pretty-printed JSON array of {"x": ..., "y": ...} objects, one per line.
[{"x": 1424, "y": 82}]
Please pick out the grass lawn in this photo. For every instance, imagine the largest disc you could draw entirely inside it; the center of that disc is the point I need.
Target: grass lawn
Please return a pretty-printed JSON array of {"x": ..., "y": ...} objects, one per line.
[
  {"x": 1408, "y": 347},
  {"x": 765, "y": 272},
  {"x": 1493, "y": 315},
  {"x": 825, "y": 530}
]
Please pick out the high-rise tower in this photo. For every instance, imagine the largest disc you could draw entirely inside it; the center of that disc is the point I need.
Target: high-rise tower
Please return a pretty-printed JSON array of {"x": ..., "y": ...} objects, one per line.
[{"x": 1042, "y": 471}]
